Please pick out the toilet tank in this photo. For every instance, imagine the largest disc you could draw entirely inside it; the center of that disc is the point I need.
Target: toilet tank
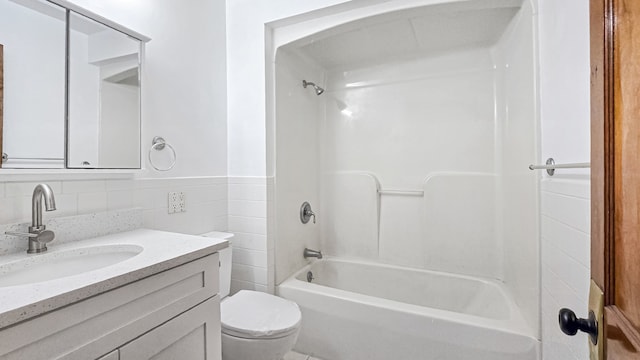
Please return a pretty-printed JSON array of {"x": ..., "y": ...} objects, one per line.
[{"x": 225, "y": 262}]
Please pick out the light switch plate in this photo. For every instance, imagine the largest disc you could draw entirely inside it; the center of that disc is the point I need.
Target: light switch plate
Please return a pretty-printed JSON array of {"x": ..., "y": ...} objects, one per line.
[{"x": 177, "y": 202}]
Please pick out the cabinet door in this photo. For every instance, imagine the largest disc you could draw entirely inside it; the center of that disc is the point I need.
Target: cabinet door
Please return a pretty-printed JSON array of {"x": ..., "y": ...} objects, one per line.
[
  {"x": 194, "y": 335},
  {"x": 94, "y": 326}
]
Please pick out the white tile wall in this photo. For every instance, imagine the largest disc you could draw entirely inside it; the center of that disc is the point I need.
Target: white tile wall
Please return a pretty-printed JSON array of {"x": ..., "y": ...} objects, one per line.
[
  {"x": 564, "y": 109},
  {"x": 565, "y": 229},
  {"x": 247, "y": 209},
  {"x": 206, "y": 201},
  {"x": 74, "y": 228},
  {"x": 237, "y": 205}
]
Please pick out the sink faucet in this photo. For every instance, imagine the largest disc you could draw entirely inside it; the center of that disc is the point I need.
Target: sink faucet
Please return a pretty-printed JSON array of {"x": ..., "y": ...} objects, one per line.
[
  {"x": 312, "y": 253},
  {"x": 38, "y": 235}
]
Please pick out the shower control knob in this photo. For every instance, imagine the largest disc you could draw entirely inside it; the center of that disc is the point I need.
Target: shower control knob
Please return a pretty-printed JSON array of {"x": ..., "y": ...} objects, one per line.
[
  {"x": 306, "y": 213},
  {"x": 570, "y": 324}
]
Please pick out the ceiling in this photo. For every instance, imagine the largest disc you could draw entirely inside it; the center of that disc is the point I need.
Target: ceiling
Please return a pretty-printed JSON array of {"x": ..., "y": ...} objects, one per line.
[{"x": 404, "y": 34}]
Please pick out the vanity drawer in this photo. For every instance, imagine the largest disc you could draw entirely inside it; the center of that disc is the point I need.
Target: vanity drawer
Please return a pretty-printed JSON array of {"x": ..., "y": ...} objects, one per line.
[{"x": 92, "y": 327}]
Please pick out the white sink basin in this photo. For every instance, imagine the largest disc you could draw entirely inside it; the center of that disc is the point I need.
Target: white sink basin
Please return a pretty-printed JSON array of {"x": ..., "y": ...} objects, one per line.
[{"x": 50, "y": 266}]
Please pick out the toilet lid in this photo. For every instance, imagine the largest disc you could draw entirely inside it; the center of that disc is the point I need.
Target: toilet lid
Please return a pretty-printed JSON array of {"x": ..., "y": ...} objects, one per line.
[{"x": 258, "y": 315}]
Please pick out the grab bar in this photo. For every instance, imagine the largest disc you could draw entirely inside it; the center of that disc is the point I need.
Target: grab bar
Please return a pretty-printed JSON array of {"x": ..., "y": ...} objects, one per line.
[
  {"x": 551, "y": 165},
  {"x": 400, "y": 192}
]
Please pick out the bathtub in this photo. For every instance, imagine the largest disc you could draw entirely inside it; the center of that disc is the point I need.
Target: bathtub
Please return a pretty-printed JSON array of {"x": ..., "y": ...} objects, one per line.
[{"x": 355, "y": 310}]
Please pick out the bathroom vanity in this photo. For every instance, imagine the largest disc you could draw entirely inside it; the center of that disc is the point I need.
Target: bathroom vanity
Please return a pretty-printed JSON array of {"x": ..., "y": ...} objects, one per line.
[{"x": 156, "y": 296}]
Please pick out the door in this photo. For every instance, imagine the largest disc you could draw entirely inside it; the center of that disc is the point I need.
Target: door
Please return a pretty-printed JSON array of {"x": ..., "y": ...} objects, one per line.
[{"x": 615, "y": 172}]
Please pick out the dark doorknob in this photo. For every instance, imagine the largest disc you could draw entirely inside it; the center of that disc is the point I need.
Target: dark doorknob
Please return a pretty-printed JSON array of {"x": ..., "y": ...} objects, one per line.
[{"x": 570, "y": 324}]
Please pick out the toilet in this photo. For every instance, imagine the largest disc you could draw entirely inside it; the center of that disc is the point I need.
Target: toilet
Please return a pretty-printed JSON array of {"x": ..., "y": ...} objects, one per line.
[{"x": 255, "y": 325}]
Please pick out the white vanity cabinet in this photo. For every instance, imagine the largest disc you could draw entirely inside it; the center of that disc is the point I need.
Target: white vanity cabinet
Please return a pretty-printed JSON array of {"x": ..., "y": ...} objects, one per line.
[
  {"x": 172, "y": 314},
  {"x": 192, "y": 335}
]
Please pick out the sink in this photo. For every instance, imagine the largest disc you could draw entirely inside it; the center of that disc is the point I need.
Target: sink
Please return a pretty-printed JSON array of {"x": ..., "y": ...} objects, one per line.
[{"x": 54, "y": 265}]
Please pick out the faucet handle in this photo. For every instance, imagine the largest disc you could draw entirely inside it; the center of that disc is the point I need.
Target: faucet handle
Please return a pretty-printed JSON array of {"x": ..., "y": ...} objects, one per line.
[
  {"x": 45, "y": 236},
  {"x": 312, "y": 214},
  {"x": 42, "y": 237},
  {"x": 14, "y": 233},
  {"x": 306, "y": 213}
]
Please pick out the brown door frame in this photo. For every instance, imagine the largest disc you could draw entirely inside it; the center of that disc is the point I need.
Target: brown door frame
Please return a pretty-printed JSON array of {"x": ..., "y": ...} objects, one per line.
[
  {"x": 622, "y": 339},
  {"x": 602, "y": 145}
]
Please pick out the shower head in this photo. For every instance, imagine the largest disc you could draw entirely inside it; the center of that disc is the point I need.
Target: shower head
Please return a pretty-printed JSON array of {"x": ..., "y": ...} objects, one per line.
[{"x": 317, "y": 88}]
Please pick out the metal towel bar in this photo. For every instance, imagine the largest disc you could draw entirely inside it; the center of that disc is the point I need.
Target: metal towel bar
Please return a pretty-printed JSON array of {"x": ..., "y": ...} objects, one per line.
[
  {"x": 400, "y": 192},
  {"x": 551, "y": 166}
]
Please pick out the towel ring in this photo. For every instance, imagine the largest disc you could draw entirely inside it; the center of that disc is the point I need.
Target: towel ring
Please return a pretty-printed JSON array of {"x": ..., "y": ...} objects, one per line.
[{"x": 158, "y": 144}]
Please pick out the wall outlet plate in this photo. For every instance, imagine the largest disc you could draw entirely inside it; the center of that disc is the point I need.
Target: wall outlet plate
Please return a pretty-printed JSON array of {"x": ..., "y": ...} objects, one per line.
[{"x": 177, "y": 202}]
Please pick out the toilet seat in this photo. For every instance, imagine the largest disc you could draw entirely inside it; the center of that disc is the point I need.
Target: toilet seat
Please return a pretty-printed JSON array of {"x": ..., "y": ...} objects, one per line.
[{"x": 258, "y": 315}]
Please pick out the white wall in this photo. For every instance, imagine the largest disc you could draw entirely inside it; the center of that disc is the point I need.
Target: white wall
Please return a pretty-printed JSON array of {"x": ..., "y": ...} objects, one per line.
[
  {"x": 298, "y": 119},
  {"x": 252, "y": 253},
  {"x": 183, "y": 78},
  {"x": 254, "y": 265},
  {"x": 566, "y": 232},
  {"x": 184, "y": 87},
  {"x": 564, "y": 80},
  {"x": 428, "y": 125},
  {"x": 518, "y": 146},
  {"x": 565, "y": 207},
  {"x": 246, "y": 21},
  {"x": 108, "y": 44},
  {"x": 206, "y": 201}
]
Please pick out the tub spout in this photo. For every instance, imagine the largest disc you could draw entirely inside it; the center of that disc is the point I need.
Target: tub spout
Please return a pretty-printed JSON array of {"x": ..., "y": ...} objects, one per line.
[{"x": 312, "y": 253}]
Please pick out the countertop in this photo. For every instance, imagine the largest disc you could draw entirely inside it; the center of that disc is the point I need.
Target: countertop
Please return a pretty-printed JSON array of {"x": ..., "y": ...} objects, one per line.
[{"x": 162, "y": 251}]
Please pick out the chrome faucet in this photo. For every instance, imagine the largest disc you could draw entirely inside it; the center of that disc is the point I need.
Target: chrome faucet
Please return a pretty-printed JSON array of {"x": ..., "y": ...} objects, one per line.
[
  {"x": 38, "y": 234},
  {"x": 312, "y": 253}
]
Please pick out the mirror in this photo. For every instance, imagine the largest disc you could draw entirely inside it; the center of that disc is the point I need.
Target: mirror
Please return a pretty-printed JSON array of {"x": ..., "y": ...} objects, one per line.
[
  {"x": 33, "y": 37},
  {"x": 104, "y": 97},
  {"x": 83, "y": 113}
]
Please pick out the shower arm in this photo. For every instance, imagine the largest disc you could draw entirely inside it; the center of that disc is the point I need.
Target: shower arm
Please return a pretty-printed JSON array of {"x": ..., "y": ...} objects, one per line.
[{"x": 317, "y": 88}]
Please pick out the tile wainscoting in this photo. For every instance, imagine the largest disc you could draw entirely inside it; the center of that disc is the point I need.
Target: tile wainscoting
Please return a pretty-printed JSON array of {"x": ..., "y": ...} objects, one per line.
[
  {"x": 252, "y": 252},
  {"x": 565, "y": 221},
  {"x": 206, "y": 201},
  {"x": 235, "y": 204}
]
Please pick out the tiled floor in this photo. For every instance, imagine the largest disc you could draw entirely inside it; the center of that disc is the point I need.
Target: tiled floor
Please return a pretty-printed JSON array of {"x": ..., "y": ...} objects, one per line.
[{"x": 292, "y": 355}]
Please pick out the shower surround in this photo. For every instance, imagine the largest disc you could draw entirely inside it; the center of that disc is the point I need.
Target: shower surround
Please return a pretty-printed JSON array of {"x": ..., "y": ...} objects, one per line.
[{"x": 416, "y": 153}]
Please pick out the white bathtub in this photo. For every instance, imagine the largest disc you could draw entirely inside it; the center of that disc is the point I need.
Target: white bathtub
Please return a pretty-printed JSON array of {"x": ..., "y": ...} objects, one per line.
[{"x": 361, "y": 310}]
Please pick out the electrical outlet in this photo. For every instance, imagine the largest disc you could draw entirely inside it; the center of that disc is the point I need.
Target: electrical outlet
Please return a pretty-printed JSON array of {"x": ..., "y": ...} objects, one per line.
[
  {"x": 173, "y": 202},
  {"x": 177, "y": 202},
  {"x": 182, "y": 202}
]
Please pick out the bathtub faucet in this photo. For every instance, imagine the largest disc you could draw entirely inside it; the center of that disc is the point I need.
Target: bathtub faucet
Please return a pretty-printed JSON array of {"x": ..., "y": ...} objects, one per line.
[{"x": 312, "y": 253}]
